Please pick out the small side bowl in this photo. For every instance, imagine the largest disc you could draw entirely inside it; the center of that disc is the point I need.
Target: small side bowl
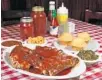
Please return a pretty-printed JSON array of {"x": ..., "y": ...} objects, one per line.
[
  {"x": 5, "y": 47},
  {"x": 90, "y": 62}
]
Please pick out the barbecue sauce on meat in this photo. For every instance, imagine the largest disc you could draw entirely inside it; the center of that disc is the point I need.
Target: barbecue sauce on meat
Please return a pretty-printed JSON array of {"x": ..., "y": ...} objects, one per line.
[
  {"x": 46, "y": 52},
  {"x": 43, "y": 58}
]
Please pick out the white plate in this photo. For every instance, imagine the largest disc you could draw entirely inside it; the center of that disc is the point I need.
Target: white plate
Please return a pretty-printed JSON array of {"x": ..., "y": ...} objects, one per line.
[
  {"x": 8, "y": 40},
  {"x": 92, "y": 45},
  {"x": 79, "y": 69}
]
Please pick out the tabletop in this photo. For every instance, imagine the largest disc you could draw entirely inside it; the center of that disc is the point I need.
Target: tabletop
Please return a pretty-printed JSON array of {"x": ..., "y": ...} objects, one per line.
[{"x": 93, "y": 72}]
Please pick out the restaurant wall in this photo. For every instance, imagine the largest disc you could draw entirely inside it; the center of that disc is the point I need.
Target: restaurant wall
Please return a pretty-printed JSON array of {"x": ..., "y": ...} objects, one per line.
[{"x": 76, "y": 7}]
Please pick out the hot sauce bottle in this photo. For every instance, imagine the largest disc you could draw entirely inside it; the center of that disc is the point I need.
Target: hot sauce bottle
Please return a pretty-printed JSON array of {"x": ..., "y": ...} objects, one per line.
[
  {"x": 26, "y": 27},
  {"x": 54, "y": 24},
  {"x": 51, "y": 8}
]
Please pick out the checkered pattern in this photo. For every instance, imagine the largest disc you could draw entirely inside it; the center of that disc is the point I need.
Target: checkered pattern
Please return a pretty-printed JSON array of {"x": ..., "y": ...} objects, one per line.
[{"x": 93, "y": 72}]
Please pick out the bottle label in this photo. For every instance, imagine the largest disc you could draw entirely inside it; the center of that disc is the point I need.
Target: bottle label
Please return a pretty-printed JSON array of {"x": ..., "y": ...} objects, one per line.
[{"x": 53, "y": 30}]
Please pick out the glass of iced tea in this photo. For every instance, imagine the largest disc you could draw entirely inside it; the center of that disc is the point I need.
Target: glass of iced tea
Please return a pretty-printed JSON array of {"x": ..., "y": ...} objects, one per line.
[{"x": 26, "y": 27}]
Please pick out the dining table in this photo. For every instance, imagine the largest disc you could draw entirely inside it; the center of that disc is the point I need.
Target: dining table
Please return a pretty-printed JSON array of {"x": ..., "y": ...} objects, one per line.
[{"x": 93, "y": 72}]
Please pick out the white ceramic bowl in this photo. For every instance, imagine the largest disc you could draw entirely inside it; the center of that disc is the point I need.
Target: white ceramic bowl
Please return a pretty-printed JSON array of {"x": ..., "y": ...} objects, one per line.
[
  {"x": 89, "y": 62},
  {"x": 5, "y": 47}
]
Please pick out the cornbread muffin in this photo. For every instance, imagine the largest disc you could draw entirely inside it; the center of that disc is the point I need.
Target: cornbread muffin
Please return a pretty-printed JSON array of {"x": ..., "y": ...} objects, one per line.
[
  {"x": 85, "y": 36},
  {"x": 78, "y": 44},
  {"x": 65, "y": 39}
]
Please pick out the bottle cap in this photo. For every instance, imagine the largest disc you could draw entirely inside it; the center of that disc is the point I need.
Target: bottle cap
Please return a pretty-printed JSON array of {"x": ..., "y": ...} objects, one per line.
[
  {"x": 52, "y": 2},
  {"x": 38, "y": 8},
  {"x": 52, "y": 5},
  {"x": 62, "y": 9},
  {"x": 26, "y": 19}
]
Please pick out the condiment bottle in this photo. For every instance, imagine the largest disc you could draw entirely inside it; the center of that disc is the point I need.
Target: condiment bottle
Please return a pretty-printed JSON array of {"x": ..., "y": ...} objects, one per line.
[
  {"x": 26, "y": 27},
  {"x": 54, "y": 24},
  {"x": 51, "y": 8},
  {"x": 62, "y": 17},
  {"x": 39, "y": 20}
]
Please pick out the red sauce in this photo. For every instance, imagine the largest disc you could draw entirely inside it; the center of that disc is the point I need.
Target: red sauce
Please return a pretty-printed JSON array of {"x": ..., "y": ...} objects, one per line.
[
  {"x": 26, "y": 27},
  {"x": 33, "y": 59},
  {"x": 20, "y": 54},
  {"x": 64, "y": 72},
  {"x": 11, "y": 43},
  {"x": 46, "y": 52},
  {"x": 39, "y": 19}
]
